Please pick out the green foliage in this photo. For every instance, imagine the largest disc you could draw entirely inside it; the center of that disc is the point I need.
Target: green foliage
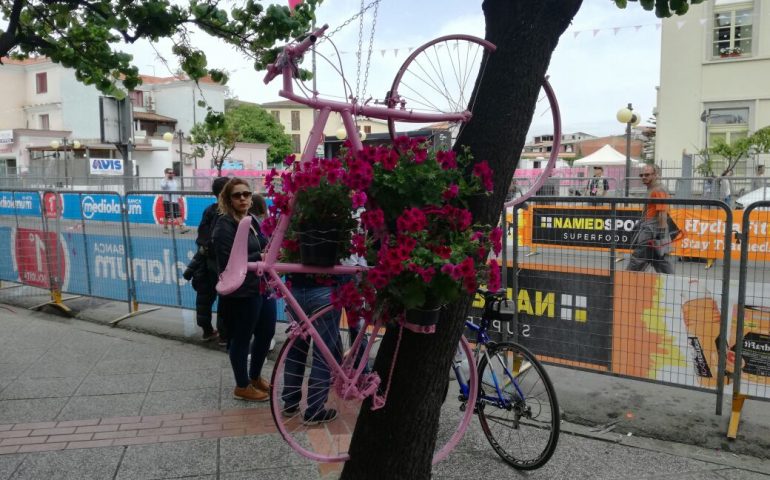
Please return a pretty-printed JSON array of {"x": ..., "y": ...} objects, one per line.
[
  {"x": 86, "y": 34},
  {"x": 214, "y": 133},
  {"x": 255, "y": 125},
  {"x": 663, "y": 8},
  {"x": 732, "y": 153}
]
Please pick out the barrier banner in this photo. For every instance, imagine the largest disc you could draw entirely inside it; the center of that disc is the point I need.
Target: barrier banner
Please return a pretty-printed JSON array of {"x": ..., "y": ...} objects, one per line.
[
  {"x": 38, "y": 257},
  {"x": 23, "y": 204},
  {"x": 704, "y": 234},
  {"x": 8, "y": 270},
  {"x": 583, "y": 226}
]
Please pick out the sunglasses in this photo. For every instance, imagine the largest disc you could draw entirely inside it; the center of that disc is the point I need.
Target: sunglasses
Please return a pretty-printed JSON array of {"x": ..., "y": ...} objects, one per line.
[
  {"x": 645, "y": 175},
  {"x": 244, "y": 195}
]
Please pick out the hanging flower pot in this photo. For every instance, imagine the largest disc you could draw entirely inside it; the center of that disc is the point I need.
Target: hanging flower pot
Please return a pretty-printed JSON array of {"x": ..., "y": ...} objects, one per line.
[
  {"x": 422, "y": 317},
  {"x": 319, "y": 248}
]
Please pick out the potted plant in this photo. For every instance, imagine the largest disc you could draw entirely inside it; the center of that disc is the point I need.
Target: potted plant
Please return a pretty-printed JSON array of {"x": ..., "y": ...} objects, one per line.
[
  {"x": 419, "y": 238},
  {"x": 730, "y": 52},
  {"x": 322, "y": 223}
]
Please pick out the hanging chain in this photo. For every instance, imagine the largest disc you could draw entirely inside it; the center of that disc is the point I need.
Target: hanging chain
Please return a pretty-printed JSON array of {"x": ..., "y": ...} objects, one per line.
[
  {"x": 369, "y": 54},
  {"x": 347, "y": 22},
  {"x": 359, "y": 52}
]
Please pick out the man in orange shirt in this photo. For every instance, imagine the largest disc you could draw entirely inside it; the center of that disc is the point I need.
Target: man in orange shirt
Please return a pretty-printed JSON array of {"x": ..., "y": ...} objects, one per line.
[{"x": 652, "y": 244}]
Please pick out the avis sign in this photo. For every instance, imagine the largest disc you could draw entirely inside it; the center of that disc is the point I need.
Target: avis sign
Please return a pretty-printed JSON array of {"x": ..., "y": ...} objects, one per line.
[{"x": 106, "y": 166}]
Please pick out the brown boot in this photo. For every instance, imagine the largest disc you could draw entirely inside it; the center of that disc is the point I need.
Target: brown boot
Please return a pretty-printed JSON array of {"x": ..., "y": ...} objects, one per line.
[
  {"x": 250, "y": 394},
  {"x": 261, "y": 384}
]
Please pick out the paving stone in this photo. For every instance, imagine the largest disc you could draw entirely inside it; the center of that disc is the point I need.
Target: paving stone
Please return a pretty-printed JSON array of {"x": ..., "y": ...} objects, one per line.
[
  {"x": 100, "y": 406},
  {"x": 157, "y": 403},
  {"x": 30, "y": 410},
  {"x": 114, "y": 384},
  {"x": 40, "y": 388},
  {"x": 169, "y": 460},
  {"x": 254, "y": 452},
  {"x": 188, "y": 380},
  {"x": 86, "y": 464},
  {"x": 8, "y": 464}
]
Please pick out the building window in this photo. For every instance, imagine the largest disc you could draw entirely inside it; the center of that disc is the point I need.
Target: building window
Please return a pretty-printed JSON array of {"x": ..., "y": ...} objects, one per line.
[
  {"x": 45, "y": 123},
  {"x": 7, "y": 167},
  {"x": 295, "y": 120},
  {"x": 295, "y": 143},
  {"x": 276, "y": 115},
  {"x": 367, "y": 129},
  {"x": 728, "y": 125},
  {"x": 41, "y": 82},
  {"x": 137, "y": 98},
  {"x": 732, "y": 29}
]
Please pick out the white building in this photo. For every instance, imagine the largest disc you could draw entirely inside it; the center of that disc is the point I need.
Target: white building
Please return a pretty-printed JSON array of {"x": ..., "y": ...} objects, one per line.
[
  {"x": 43, "y": 102},
  {"x": 715, "y": 78}
]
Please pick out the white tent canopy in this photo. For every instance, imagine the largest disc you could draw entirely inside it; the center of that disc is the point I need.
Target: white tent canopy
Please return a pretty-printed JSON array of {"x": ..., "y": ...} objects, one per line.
[{"x": 605, "y": 156}]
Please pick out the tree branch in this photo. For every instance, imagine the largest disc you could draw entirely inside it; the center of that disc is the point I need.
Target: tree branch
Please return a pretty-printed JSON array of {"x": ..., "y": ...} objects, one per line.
[{"x": 9, "y": 37}]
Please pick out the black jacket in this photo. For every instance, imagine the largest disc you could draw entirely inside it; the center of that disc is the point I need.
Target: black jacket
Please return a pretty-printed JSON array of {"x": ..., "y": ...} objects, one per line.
[{"x": 224, "y": 236}]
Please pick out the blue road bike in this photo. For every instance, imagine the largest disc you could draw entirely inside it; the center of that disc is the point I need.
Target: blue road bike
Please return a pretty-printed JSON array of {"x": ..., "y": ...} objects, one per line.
[{"x": 516, "y": 402}]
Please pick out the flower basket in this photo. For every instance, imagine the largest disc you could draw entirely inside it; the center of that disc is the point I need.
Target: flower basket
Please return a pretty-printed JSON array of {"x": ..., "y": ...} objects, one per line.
[
  {"x": 422, "y": 317},
  {"x": 319, "y": 248}
]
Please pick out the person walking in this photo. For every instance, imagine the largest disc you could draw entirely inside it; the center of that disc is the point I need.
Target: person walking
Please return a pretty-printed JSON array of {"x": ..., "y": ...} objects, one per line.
[
  {"x": 598, "y": 185},
  {"x": 202, "y": 269},
  {"x": 759, "y": 180},
  {"x": 171, "y": 211},
  {"x": 244, "y": 305},
  {"x": 651, "y": 244}
]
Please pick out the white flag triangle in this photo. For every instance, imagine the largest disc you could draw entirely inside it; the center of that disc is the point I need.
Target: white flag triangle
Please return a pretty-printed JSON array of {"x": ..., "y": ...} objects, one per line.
[
  {"x": 395, "y": 52},
  {"x": 657, "y": 26},
  {"x": 680, "y": 24},
  {"x": 575, "y": 34},
  {"x": 616, "y": 30},
  {"x": 382, "y": 52},
  {"x": 596, "y": 31},
  {"x": 637, "y": 27}
]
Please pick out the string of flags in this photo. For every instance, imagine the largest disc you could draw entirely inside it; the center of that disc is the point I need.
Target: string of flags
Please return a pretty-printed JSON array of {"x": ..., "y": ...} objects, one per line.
[{"x": 572, "y": 34}]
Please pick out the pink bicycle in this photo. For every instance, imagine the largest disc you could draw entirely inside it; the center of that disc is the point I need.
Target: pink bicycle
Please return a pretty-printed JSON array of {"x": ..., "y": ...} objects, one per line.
[{"x": 348, "y": 362}]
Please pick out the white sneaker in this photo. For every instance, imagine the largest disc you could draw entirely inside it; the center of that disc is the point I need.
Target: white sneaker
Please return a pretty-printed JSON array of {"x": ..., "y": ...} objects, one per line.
[{"x": 272, "y": 344}]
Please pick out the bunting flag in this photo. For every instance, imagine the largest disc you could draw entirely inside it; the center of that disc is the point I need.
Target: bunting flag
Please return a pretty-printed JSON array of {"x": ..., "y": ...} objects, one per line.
[
  {"x": 293, "y": 4},
  {"x": 575, "y": 33}
]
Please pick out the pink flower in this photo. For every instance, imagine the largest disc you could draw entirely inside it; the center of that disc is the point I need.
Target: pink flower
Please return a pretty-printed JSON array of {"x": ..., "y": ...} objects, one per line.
[
  {"x": 359, "y": 199},
  {"x": 496, "y": 237},
  {"x": 447, "y": 159},
  {"x": 373, "y": 219},
  {"x": 442, "y": 251},
  {"x": 359, "y": 175},
  {"x": 290, "y": 245},
  {"x": 451, "y": 192},
  {"x": 494, "y": 276},
  {"x": 411, "y": 220},
  {"x": 268, "y": 226},
  {"x": 289, "y": 160},
  {"x": 420, "y": 155},
  {"x": 484, "y": 173},
  {"x": 358, "y": 242}
]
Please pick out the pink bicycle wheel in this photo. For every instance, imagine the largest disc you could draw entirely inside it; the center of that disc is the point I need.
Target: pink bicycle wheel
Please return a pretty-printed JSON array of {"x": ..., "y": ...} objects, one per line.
[
  {"x": 329, "y": 441},
  {"x": 546, "y": 124},
  {"x": 438, "y": 78}
]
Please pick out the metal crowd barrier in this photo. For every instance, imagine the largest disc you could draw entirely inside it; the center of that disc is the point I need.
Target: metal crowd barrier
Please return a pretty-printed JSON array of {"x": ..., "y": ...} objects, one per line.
[{"x": 576, "y": 304}]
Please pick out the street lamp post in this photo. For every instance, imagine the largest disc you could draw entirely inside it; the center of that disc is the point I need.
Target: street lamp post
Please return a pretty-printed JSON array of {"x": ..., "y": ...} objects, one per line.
[
  {"x": 66, "y": 145},
  {"x": 626, "y": 115}
]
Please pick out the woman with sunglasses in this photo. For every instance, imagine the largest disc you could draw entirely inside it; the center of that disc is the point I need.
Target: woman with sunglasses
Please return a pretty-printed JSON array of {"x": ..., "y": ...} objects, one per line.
[{"x": 243, "y": 305}]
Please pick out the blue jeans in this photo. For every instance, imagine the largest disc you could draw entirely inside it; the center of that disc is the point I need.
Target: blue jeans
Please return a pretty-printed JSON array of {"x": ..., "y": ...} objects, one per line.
[
  {"x": 245, "y": 321},
  {"x": 311, "y": 299}
]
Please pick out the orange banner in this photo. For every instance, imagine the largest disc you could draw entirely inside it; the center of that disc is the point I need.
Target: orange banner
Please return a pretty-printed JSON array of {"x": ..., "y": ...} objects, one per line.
[{"x": 594, "y": 228}]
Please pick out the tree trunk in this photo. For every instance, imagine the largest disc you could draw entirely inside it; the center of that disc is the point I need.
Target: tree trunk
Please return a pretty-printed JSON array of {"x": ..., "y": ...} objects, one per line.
[{"x": 397, "y": 441}]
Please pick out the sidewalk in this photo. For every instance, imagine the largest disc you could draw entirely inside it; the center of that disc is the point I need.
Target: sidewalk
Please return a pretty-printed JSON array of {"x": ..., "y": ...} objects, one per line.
[{"x": 82, "y": 400}]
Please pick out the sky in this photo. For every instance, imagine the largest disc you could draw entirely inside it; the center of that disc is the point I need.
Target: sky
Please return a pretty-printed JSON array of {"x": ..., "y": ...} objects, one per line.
[{"x": 606, "y": 59}]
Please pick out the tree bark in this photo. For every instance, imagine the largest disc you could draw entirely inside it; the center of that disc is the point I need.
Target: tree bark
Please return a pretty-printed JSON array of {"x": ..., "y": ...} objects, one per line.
[{"x": 397, "y": 442}]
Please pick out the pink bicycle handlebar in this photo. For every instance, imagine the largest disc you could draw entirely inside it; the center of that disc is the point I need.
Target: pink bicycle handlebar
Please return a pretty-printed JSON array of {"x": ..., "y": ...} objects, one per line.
[{"x": 292, "y": 51}]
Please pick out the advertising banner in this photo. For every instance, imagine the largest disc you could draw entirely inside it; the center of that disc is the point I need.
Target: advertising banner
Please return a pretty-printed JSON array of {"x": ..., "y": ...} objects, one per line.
[
  {"x": 107, "y": 166},
  {"x": 703, "y": 230},
  {"x": 8, "y": 270},
  {"x": 23, "y": 204},
  {"x": 583, "y": 226}
]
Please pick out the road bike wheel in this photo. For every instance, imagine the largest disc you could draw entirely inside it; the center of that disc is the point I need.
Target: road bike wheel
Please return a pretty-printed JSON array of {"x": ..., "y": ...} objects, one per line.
[
  {"x": 457, "y": 410},
  {"x": 521, "y": 424},
  {"x": 438, "y": 77},
  {"x": 323, "y": 442}
]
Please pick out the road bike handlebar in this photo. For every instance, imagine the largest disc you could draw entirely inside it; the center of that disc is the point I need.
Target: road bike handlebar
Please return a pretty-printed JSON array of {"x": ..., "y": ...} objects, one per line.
[{"x": 292, "y": 51}]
